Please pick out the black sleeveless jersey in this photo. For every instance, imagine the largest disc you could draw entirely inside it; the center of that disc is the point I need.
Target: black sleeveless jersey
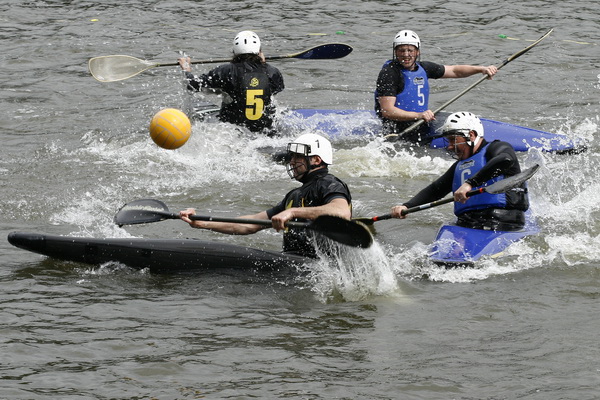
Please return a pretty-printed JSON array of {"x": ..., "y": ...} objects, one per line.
[{"x": 250, "y": 87}]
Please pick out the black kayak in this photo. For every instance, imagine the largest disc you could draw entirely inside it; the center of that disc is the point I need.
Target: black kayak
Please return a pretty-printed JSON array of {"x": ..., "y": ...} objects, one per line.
[{"x": 159, "y": 255}]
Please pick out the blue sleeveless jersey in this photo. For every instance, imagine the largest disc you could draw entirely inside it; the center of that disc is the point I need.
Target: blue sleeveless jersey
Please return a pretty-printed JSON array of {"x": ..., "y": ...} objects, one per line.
[
  {"x": 415, "y": 95},
  {"x": 465, "y": 169}
]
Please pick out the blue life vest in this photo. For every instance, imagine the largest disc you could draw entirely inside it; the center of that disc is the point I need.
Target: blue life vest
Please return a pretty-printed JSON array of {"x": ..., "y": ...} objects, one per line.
[
  {"x": 415, "y": 96},
  {"x": 466, "y": 169}
]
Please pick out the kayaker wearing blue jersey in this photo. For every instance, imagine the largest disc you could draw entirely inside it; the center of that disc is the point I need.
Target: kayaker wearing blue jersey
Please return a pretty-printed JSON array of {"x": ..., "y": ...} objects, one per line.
[
  {"x": 321, "y": 193},
  {"x": 247, "y": 83},
  {"x": 479, "y": 163},
  {"x": 402, "y": 93}
]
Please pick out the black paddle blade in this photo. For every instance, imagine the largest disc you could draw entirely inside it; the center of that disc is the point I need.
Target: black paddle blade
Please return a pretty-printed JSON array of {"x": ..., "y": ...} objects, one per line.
[
  {"x": 325, "y": 52},
  {"x": 342, "y": 231},
  {"x": 143, "y": 211},
  {"x": 512, "y": 181}
]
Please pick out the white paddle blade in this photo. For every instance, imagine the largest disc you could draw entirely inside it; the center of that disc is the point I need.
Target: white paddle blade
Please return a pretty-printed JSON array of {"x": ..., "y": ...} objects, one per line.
[{"x": 117, "y": 67}]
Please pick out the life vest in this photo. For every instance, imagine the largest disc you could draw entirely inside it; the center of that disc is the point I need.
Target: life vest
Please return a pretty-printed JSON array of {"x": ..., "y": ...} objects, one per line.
[
  {"x": 251, "y": 105},
  {"x": 415, "y": 96},
  {"x": 466, "y": 169},
  {"x": 313, "y": 193}
]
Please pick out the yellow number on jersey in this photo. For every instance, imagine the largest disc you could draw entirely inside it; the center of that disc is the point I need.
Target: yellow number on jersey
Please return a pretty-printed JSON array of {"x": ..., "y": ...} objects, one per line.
[{"x": 254, "y": 104}]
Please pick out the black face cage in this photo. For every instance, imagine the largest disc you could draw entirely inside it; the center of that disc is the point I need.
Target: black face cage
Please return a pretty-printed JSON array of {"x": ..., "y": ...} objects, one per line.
[{"x": 295, "y": 148}]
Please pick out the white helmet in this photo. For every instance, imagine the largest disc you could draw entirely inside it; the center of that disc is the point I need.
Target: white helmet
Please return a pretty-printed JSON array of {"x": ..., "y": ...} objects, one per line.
[
  {"x": 461, "y": 123},
  {"x": 246, "y": 42},
  {"x": 311, "y": 144},
  {"x": 407, "y": 37}
]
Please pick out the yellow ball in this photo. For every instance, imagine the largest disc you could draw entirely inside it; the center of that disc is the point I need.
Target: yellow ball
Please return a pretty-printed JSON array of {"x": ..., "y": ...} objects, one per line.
[{"x": 170, "y": 128}]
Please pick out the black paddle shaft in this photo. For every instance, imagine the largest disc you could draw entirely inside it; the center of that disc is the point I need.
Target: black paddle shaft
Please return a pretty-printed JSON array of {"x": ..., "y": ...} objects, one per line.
[
  {"x": 114, "y": 68},
  {"x": 329, "y": 51},
  {"x": 337, "y": 229}
]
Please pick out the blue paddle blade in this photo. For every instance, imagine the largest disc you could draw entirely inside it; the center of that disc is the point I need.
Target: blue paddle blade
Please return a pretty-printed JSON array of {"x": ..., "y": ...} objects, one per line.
[{"x": 325, "y": 52}]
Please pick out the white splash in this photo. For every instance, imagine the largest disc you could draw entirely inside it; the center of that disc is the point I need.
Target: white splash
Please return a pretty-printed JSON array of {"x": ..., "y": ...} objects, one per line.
[{"x": 349, "y": 274}]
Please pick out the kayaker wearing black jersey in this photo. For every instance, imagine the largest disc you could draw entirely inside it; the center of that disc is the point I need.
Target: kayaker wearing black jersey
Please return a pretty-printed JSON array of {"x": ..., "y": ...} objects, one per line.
[
  {"x": 402, "y": 93},
  {"x": 479, "y": 163},
  {"x": 248, "y": 84},
  {"x": 321, "y": 193}
]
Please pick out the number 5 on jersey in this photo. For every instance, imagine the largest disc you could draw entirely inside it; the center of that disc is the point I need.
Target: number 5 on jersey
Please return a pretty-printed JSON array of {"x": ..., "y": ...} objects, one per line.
[{"x": 254, "y": 104}]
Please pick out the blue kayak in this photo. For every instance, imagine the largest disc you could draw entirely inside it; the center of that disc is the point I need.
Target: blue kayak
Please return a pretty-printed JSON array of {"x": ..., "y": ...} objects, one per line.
[
  {"x": 337, "y": 123},
  {"x": 458, "y": 246},
  {"x": 363, "y": 122}
]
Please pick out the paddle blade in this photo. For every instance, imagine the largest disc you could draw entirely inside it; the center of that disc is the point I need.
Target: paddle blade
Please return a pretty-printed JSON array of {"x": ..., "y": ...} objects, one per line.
[
  {"x": 512, "y": 181},
  {"x": 342, "y": 231},
  {"x": 325, "y": 52},
  {"x": 117, "y": 67},
  {"x": 143, "y": 212}
]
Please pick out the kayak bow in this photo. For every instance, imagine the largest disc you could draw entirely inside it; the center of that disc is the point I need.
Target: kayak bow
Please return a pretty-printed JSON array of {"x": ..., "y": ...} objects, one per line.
[{"x": 159, "y": 255}]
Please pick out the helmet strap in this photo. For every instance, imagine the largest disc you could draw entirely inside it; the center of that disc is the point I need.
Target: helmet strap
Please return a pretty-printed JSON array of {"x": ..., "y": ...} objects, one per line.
[
  {"x": 310, "y": 168},
  {"x": 474, "y": 142},
  {"x": 314, "y": 166}
]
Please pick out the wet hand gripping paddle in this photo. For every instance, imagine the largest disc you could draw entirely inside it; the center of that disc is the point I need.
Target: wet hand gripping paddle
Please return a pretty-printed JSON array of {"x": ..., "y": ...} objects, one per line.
[{"x": 346, "y": 232}]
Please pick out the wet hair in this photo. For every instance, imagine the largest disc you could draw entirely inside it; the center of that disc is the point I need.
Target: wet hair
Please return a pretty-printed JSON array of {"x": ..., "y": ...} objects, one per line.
[{"x": 253, "y": 58}]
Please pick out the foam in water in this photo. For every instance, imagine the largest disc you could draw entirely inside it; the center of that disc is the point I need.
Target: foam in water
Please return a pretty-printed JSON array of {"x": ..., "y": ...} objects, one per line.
[{"x": 564, "y": 197}]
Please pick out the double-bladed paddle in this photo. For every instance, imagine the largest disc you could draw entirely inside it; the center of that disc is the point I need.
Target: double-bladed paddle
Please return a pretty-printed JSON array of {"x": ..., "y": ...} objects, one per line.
[
  {"x": 337, "y": 229},
  {"x": 395, "y": 136},
  {"x": 501, "y": 186},
  {"x": 119, "y": 67}
]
